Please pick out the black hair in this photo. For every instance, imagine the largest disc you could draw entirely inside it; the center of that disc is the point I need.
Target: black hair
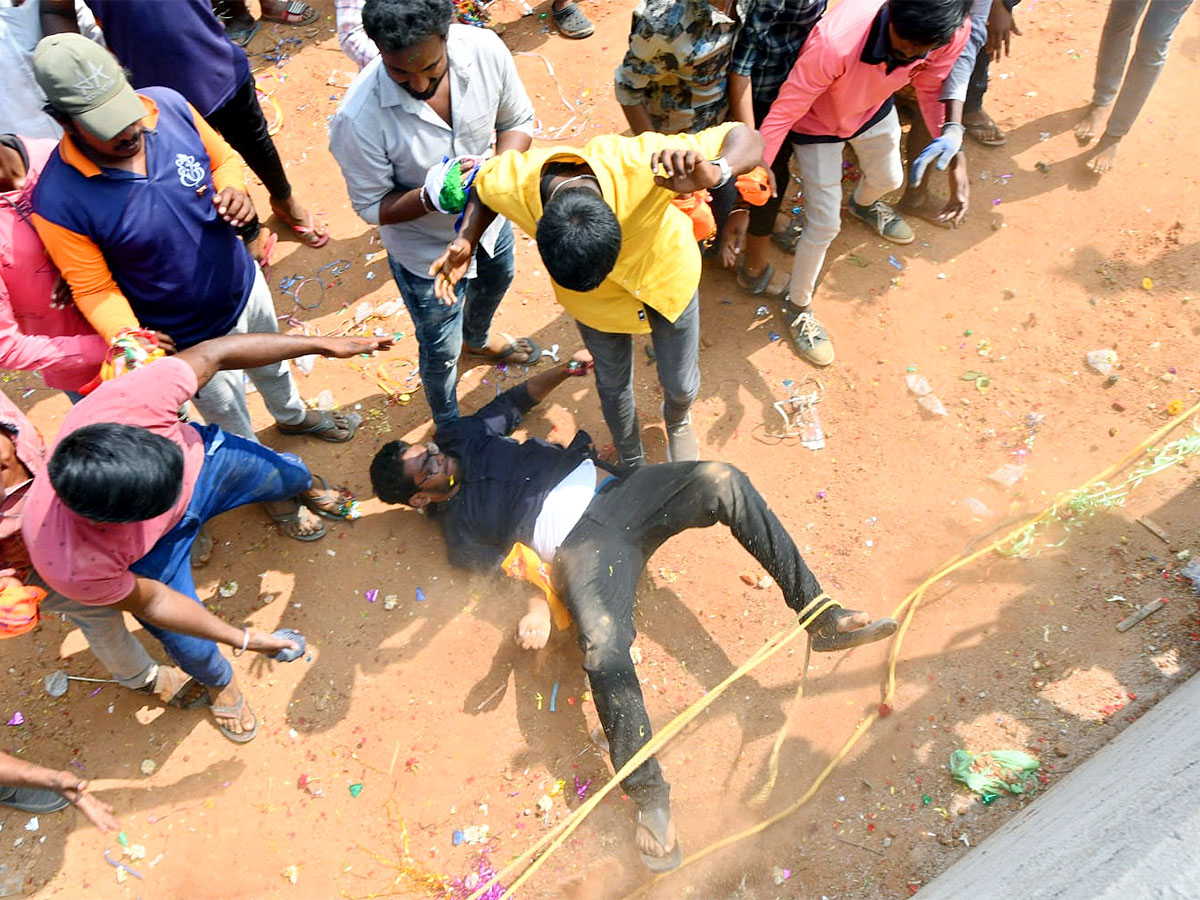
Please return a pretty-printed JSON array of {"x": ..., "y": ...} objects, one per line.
[
  {"x": 116, "y": 473},
  {"x": 387, "y": 474},
  {"x": 928, "y": 21},
  {"x": 396, "y": 24},
  {"x": 579, "y": 239}
]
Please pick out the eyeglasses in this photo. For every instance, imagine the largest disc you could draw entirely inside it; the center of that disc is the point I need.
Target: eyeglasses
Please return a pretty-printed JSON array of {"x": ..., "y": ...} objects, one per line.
[{"x": 429, "y": 466}]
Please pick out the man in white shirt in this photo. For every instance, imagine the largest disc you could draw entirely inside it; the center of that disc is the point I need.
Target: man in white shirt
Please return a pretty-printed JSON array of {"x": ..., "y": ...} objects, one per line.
[
  {"x": 20, "y": 29},
  {"x": 395, "y": 123}
]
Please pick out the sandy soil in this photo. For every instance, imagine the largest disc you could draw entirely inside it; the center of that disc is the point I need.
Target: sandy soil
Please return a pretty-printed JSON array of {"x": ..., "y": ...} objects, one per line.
[{"x": 430, "y": 708}]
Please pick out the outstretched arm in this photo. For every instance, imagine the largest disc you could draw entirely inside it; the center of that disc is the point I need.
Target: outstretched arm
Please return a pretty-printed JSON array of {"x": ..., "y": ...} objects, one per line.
[
  {"x": 18, "y": 773},
  {"x": 249, "y": 351},
  {"x": 158, "y": 604}
]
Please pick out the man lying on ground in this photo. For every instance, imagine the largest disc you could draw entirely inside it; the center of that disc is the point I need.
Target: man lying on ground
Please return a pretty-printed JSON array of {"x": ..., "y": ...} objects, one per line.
[
  {"x": 487, "y": 492},
  {"x": 112, "y": 518}
]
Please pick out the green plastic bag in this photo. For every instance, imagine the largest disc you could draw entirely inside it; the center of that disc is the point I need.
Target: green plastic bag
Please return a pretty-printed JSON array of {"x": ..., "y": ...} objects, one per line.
[{"x": 989, "y": 774}]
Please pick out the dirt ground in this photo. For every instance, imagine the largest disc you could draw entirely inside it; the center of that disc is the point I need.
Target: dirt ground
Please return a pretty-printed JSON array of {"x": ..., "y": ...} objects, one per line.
[{"x": 410, "y": 723}]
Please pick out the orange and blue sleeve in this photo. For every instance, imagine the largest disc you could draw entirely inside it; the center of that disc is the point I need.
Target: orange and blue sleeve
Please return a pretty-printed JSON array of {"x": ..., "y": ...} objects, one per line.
[
  {"x": 84, "y": 267},
  {"x": 226, "y": 164}
]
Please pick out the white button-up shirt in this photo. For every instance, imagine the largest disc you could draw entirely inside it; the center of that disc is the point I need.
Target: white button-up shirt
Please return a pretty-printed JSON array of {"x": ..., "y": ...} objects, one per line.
[{"x": 385, "y": 139}]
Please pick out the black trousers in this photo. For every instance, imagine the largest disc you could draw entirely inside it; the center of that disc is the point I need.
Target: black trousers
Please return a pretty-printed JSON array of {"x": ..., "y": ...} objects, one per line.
[
  {"x": 597, "y": 567},
  {"x": 242, "y": 123},
  {"x": 762, "y": 218}
]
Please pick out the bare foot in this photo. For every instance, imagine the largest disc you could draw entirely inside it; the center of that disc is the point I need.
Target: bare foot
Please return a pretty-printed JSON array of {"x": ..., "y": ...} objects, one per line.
[
  {"x": 920, "y": 203},
  {"x": 1105, "y": 156},
  {"x": 225, "y": 710},
  {"x": 1089, "y": 125},
  {"x": 533, "y": 631}
]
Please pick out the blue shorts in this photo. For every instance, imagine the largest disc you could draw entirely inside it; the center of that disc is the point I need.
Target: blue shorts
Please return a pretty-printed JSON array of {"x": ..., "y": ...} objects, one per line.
[{"x": 235, "y": 472}]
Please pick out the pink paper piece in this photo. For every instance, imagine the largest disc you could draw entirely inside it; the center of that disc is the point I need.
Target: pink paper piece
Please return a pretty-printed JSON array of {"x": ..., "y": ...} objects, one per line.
[
  {"x": 372, "y": 595},
  {"x": 17, "y": 719}
]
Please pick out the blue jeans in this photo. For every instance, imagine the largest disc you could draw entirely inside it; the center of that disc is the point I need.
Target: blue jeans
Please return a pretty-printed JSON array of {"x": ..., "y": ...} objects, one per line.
[
  {"x": 1162, "y": 17},
  {"x": 677, "y": 352},
  {"x": 235, "y": 472},
  {"x": 442, "y": 330}
]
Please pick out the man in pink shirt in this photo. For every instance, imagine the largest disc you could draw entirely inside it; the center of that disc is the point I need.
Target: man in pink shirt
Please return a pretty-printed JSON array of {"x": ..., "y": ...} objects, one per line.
[
  {"x": 40, "y": 328},
  {"x": 112, "y": 518},
  {"x": 840, "y": 91}
]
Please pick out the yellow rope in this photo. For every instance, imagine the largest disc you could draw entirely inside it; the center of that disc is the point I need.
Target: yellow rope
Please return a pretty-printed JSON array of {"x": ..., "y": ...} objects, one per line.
[
  {"x": 764, "y": 793},
  {"x": 909, "y": 607},
  {"x": 557, "y": 835},
  {"x": 555, "y": 838}
]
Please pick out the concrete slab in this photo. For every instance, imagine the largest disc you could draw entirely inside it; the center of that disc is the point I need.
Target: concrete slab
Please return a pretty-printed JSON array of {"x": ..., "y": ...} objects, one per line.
[{"x": 1125, "y": 825}]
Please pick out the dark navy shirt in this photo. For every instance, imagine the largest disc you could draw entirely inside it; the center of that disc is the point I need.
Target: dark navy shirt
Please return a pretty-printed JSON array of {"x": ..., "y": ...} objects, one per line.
[
  {"x": 181, "y": 266},
  {"x": 504, "y": 482},
  {"x": 178, "y": 44}
]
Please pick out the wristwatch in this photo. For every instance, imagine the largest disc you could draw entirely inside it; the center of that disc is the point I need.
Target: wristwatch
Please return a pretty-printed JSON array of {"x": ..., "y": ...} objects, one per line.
[{"x": 725, "y": 168}]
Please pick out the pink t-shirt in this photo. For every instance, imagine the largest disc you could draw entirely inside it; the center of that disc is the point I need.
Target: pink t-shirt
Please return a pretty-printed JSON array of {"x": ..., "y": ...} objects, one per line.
[
  {"x": 34, "y": 333},
  {"x": 89, "y": 561}
]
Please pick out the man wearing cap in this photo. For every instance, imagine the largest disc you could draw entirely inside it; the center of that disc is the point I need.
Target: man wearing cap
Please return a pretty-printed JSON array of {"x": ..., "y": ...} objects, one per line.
[{"x": 137, "y": 207}]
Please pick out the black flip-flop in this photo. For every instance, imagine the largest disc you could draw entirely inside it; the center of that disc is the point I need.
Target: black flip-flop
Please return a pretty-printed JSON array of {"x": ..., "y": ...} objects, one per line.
[
  {"x": 324, "y": 427},
  {"x": 340, "y": 493},
  {"x": 826, "y": 638},
  {"x": 754, "y": 284},
  {"x": 656, "y": 821},
  {"x": 235, "y": 712},
  {"x": 505, "y": 355},
  {"x": 572, "y": 22}
]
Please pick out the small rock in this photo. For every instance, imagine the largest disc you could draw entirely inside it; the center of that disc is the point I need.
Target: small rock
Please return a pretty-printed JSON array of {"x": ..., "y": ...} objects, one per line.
[
  {"x": 1062, "y": 749},
  {"x": 148, "y": 766}
]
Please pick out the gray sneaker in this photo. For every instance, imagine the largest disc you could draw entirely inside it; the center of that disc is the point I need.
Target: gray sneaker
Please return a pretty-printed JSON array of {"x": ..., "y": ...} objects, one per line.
[
  {"x": 883, "y": 220},
  {"x": 809, "y": 335},
  {"x": 32, "y": 800}
]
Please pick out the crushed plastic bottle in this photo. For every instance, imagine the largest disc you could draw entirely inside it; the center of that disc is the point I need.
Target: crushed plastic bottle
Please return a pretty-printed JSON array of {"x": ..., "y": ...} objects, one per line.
[
  {"x": 929, "y": 401},
  {"x": 1192, "y": 573},
  {"x": 812, "y": 435},
  {"x": 1102, "y": 361}
]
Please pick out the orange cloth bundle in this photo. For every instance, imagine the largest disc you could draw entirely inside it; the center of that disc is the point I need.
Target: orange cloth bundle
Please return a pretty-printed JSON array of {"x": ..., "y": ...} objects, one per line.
[
  {"x": 696, "y": 207},
  {"x": 523, "y": 562},
  {"x": 755, "y": 187},
  {"x": 19, "y": 609}
]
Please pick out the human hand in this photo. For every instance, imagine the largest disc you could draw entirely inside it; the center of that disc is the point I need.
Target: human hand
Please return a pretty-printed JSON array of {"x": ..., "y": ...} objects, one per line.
[
  {"x": 955, "y": 210},
  {"x": 99, "y": 813},
  {"x": 449, "y": 268},
  {"x": 1001, "y": 27},
  {"x": 234, "y": 206},
  {"x": 166, "y": 342},
  {"x": 684, "y": 171},
  {"x": 579, "y": 364},
  {"x": 9, "y": 579},
  {"x": 733, "y": 240},
  {"x": 345, "y": 347},
  {"x": 942, "y": 149},
  {"x": 60, "y": 296}
]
